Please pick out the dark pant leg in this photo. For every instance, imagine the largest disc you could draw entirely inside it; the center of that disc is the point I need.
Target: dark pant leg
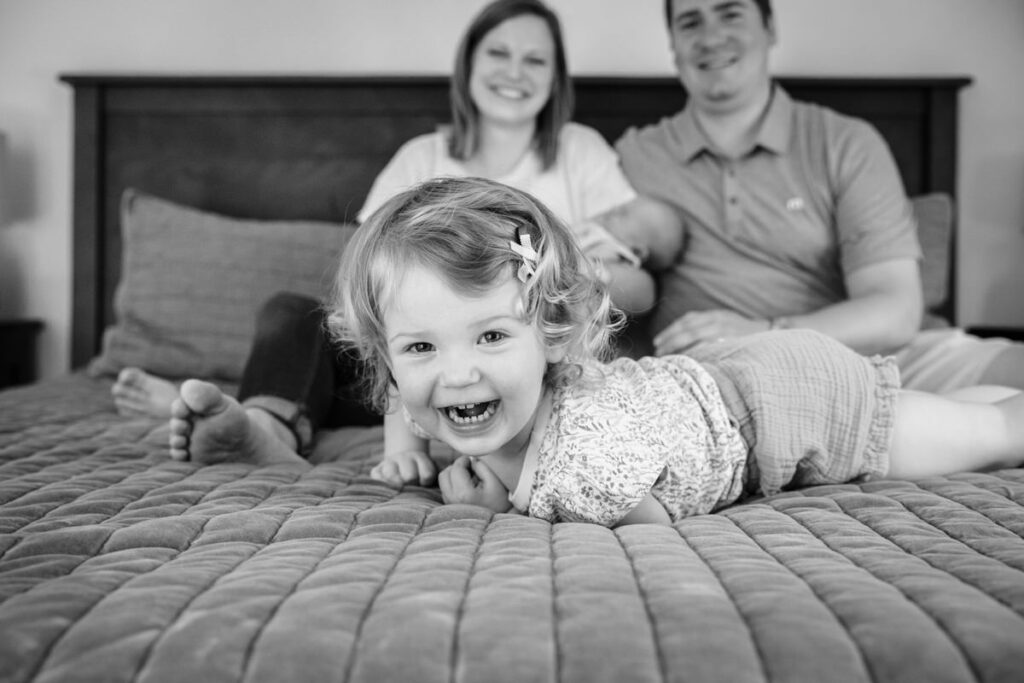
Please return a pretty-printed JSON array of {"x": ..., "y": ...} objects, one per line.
[
  {"x": 292, "y": 358},
  {"x": 348, "y": 408}
]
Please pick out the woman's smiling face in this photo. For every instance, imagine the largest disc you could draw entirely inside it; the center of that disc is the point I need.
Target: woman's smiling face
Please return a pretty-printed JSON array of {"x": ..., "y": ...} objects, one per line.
[
  {"x": 513, "y": 71},
  {"x": 468, "y": 366}
]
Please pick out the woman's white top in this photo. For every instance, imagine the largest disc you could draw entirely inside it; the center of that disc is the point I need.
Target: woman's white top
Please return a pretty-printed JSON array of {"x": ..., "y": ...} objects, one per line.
[{"x": 585, "y": 180}]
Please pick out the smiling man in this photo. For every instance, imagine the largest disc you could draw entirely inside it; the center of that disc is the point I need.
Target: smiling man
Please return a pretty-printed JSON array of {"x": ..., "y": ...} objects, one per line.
[{"x": 795, "y": 215}]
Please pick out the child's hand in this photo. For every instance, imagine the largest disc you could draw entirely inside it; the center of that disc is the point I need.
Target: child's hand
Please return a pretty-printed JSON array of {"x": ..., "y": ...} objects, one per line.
[
  {"x": 406, "y": 467},
  {"x": 469, "y": 480}
]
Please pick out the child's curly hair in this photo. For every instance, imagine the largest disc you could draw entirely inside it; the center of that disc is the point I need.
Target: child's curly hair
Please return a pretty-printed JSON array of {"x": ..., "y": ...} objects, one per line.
[{"x": 462, "y": 228}]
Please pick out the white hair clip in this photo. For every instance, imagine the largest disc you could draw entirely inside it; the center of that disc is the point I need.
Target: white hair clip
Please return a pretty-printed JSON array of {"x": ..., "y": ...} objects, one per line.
[{"x": 529, "y": 256}]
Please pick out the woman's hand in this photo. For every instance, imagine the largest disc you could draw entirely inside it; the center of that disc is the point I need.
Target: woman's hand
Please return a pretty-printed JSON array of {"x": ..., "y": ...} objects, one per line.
[
  {"x": 470, "y": 480},
  {"x": 406, "y": 467}
]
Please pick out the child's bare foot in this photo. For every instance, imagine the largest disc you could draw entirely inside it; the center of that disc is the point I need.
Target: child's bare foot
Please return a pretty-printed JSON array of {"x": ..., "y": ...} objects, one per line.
[
  {"x": 137, "y": 393},
  {"x": 209, "y": 427}
]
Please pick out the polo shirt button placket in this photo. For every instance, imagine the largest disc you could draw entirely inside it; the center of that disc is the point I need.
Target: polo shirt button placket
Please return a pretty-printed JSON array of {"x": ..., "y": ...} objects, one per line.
[{"x": 732, "y": 201}]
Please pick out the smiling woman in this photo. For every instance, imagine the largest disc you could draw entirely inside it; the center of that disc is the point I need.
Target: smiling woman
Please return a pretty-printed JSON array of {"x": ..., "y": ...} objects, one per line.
[
  {"x": 517, "y": 43},
  {"x": 511, "y": 100},
  {"x": 511, "y": 81}
]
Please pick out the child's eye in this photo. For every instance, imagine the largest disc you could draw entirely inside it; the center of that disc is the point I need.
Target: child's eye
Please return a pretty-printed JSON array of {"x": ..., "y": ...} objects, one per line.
[
  {"x": 536, "y": 61},
  {"x": 497, "y": 53},
  {"x": 492, "y": 336},
  {"x": 419, "y": 347}
]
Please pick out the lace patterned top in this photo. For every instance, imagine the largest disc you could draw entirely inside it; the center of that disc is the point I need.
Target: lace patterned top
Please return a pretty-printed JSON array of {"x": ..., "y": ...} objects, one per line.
[{"x": 655, "y": 425}]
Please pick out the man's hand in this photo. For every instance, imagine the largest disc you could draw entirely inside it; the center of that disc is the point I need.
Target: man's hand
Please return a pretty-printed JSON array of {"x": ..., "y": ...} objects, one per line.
[
  {"x": 406, "y": 467},
  {"x": 699, "y": 327},
  {"x": 469, "y": 480}
]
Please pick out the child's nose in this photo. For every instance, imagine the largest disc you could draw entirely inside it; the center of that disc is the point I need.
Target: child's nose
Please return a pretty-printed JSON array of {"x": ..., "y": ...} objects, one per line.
[{"x": 459, "y": 369}]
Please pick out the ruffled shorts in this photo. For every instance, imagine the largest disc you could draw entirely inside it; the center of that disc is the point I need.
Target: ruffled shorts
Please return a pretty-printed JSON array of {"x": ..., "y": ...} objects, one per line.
[{"x": 811, "y": 410}]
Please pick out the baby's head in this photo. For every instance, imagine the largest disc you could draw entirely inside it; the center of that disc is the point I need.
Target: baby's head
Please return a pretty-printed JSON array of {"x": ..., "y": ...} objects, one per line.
[{"x": 463, "y": 229}]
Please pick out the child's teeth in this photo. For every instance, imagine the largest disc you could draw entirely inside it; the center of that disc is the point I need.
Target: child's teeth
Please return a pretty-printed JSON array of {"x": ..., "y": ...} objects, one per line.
[{"x": 478, "y": 412}]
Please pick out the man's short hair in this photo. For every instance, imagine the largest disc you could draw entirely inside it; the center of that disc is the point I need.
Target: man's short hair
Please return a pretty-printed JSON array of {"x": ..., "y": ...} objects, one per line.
[{"x": 765, "y": 6}]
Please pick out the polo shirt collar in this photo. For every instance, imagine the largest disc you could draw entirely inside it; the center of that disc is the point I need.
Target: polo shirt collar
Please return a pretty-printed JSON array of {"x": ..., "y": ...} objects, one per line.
[
  {"x": 773, "y": 134},
  {"x": 775, "y": 128}
]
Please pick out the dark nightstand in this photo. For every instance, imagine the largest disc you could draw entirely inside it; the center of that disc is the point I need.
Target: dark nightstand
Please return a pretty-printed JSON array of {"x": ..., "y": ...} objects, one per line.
[
  {"x": 18, "y": 351},
  {"x": 1013, "y": 333}
]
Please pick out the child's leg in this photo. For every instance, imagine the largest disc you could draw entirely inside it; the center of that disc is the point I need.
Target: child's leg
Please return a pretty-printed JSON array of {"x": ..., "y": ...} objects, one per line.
[{"x": 936, "y": 435}]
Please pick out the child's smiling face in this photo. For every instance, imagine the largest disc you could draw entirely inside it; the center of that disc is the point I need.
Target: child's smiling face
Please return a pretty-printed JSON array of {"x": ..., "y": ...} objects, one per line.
[{"x": 469, "y": 368}]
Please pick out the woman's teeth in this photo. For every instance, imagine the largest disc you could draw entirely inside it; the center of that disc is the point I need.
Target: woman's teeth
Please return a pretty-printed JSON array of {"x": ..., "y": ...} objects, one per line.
[
  {"x": 511, "y": 93},
  {"x": 471, "y": 413}
]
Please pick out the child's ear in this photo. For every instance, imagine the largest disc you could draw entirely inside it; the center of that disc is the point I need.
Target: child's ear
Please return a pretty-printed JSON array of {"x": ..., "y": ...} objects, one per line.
[{"x": 555, "y": 354}]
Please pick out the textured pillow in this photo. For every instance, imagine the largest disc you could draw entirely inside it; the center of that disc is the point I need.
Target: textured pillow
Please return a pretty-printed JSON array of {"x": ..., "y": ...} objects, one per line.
[
  {"x": 192, "y": 283},
  {"x": 934, "y": 214}
]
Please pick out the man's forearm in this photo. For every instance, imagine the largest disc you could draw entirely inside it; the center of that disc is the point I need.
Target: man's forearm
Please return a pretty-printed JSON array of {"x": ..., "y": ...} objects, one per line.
[{"x": 868, "y": 325}]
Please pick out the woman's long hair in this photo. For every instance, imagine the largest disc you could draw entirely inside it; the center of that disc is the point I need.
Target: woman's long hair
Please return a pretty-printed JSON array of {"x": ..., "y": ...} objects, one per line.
[{"x": 465, "y": 132}]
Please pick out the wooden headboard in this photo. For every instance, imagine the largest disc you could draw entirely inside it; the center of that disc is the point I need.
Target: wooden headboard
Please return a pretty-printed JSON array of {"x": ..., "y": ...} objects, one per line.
[{"x": 307, "y": 147}]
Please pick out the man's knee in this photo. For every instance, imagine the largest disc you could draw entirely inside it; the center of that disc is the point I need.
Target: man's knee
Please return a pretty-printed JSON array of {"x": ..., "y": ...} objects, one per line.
[
  {"x": 1007, "y": 368},
  {"x": 944, "y": 360}
]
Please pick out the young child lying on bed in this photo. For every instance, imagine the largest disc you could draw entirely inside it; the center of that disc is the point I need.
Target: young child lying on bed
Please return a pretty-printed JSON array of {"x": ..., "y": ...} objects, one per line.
[{"x": 472, "y": 306}]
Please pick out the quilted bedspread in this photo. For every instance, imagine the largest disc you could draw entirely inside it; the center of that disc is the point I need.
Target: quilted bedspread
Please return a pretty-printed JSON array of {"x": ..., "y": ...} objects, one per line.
[{"x": 118, "y": 564}]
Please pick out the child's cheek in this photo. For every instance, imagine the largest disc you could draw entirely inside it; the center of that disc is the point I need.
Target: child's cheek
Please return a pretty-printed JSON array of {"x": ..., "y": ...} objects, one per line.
[{"x": 410, "y": 382}]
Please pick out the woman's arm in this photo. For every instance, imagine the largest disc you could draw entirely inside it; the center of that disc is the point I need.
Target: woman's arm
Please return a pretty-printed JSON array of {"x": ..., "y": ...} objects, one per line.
[
  {"x": 631, "y": 288},
  {"x": 640, "y": 232}
]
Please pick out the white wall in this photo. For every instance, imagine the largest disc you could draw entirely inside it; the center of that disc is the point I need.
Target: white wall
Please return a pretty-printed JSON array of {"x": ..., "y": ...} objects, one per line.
[{"x": 40, "y": 39}]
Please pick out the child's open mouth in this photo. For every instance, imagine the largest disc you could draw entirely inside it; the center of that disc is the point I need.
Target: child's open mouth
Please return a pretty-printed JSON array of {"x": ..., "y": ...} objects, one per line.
[{"x": 471, "y": 413}]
